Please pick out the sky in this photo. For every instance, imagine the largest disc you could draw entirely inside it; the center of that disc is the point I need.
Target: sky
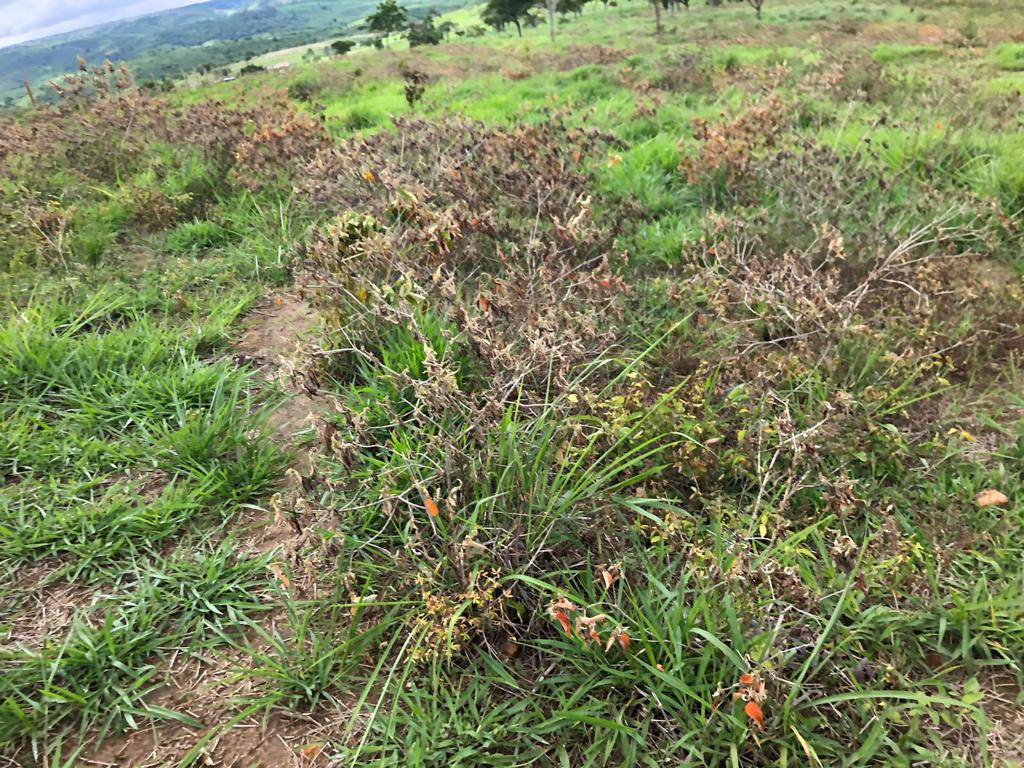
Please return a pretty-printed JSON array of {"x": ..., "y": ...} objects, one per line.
[{"x": 22, "y": 20}]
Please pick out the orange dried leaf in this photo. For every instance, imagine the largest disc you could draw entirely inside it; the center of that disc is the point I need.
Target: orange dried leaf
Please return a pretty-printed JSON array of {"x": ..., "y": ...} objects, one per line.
[
  {"x": 564, "y": 604},
  {"x": 746, "y": 679},
  {"x": 563, "y": 620},
  {"x": 585, "y": 627},
  {"x": 432, "y": 509},
  {"x": 280, "y": 575},
  {"x": 607, "y": 577},
  {"x": 624, "y": 641},
  {"x": 483, "y": 303},
  {"x": 753, "y": 710},
  {"x": 312, "y": 750}
]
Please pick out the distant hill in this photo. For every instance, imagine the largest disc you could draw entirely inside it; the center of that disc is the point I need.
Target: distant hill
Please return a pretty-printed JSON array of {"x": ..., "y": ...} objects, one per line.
[{"x": 171, "y": 42}]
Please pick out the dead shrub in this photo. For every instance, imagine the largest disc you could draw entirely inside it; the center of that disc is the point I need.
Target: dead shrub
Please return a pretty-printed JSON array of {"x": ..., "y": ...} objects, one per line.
[
  {"x": 686, "y": 73},
  {"x": 721, "y": 164},
  {"x": 491, "y": 228}
]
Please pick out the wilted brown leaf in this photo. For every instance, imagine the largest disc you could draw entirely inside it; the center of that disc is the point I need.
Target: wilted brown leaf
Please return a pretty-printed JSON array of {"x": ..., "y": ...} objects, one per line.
[
  {"x": 991, "y": 498},
  {"x": 312, "y": 750},
  {"x": 280, "y": 575},
  {"x": 753, "y": 710}
]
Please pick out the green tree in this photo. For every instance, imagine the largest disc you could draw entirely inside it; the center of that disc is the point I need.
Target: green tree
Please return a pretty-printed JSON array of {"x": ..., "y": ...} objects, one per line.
[
  {"x": 389, "y": 18},
  {"x": 565, "y": 7},
  {"x": 492, "y": 18},
  {"x": 341, "y": 47},
  {"x": 498, "y": 13},
  {"x": 446, "y": 28},
  {"x": 424, "y": 32}
]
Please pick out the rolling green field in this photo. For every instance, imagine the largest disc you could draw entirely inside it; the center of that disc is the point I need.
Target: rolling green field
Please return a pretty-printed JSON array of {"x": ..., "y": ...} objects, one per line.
[
  {"x": 631, "y": 400},
  {"x": 170, "y": 44}
]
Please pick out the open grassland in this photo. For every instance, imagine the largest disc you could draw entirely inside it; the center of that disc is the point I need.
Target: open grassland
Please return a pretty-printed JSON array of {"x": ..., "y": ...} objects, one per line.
[{"x": 623, "y": 401}]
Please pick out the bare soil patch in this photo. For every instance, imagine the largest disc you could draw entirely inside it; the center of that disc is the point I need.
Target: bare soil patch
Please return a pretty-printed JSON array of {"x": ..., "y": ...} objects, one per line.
[
  {"x": 1003, "y": 706},
  {"x": 275, "y": 338}
]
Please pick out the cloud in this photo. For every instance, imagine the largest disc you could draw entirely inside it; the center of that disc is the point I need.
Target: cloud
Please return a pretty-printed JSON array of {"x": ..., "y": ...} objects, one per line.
[{"x": 22, "y": 20}]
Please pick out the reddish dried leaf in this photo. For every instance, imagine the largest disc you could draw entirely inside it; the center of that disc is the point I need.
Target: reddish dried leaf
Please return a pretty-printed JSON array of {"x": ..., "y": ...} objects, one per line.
[
  {"x": 753, "y": 710},
  {"x": 432, "y": 509},
  {"x": 934, "y": 660},
  {"x": 607, "y": 577},
  {"x": 563, "y": 620},
  {"x": 280, "y": 575},
  {"x": 312, "y": 750}
]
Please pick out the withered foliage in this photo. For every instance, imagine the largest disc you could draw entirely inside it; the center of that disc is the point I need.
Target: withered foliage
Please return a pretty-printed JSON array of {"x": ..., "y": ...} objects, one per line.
[
  {"x": 492, "y": 229},
  {"x": 467, "y": 276},
  {"x": 104, "y": 132},
  {"x": 727, "y": 150},
  {"x": 462, "y": 270},
  {"x": 829, "y": 270}
]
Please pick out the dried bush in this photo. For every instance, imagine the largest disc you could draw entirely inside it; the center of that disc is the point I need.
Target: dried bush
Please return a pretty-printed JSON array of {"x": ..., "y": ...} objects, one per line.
[
  {"x": 171, "y": 164},
  {"x": 686, "y": 73},
  {"x": 415, "y": 85},
  {"x": 492, "y": 228},
  {"x": 278, "y": 149},
  {"x": 461, "y": 276},
  {"x": 725, "y": 152},
  {"x": 920, "y": 270}
]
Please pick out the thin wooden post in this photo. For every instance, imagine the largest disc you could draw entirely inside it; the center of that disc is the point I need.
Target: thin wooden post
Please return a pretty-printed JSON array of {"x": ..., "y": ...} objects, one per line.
[{"x": 31, "y": 96}]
